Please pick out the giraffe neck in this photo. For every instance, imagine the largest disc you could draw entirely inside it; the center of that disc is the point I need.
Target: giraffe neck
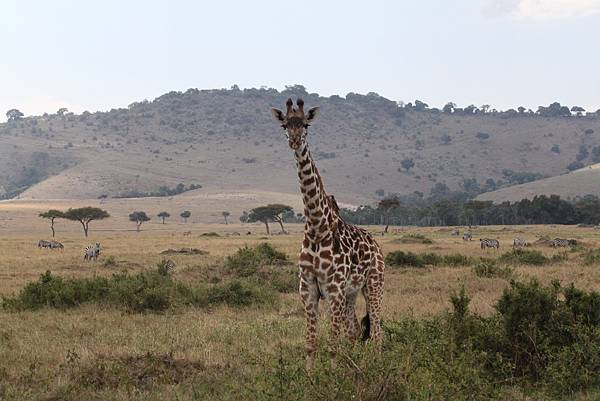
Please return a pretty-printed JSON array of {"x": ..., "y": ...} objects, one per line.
[{"x": 318, "y": 212}]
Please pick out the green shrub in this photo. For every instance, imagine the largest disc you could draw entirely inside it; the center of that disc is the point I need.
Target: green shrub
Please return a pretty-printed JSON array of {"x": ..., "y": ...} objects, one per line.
[
  {"x": 110, "y": 261},
  {"x": 457, "y": 259},
  {"x": 414, "y": 239},
  {"x": 246, "y": 261},
  {"x": 592, "y": 257},
  {"x": 404, "y": 259},
  {"x": 151, "y": 291},
  {"x": 524, "y": 257},
  {"x": 489, "y": 269}
]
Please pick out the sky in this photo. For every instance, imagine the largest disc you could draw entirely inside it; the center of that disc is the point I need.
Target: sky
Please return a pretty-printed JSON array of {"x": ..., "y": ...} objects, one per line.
[{"x": 97, "y": 55}]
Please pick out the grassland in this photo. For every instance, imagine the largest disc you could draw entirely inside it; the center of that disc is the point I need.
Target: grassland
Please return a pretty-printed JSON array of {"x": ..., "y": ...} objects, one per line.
[{"x": 218, "y": 352}]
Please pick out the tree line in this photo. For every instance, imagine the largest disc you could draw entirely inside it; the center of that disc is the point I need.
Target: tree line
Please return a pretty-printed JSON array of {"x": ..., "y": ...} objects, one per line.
[{"x": 541, "y": 209}]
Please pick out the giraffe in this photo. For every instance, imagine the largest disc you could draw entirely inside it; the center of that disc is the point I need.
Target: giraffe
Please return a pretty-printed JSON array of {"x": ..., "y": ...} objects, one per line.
[{"x": 337, "y": 260}]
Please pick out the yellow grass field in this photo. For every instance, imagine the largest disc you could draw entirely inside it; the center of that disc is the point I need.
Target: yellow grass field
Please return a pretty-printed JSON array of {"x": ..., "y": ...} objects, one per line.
[{"x": 38, "y": 347}]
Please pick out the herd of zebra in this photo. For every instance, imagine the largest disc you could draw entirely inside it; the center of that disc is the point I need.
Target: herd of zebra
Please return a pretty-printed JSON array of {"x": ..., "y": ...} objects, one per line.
[
  {"x": 91, "y": 252},
  {"x": 517, "y": 242}
]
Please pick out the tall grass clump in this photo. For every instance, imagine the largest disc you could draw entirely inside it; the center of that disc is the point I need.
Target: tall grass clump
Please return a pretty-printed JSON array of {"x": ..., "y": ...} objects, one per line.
[
  {"x": 524, "y": 257},
  {"x": 591, "y": 257},
  {"x": 410, "y": 259},
  {"x": 414, "y": 239}
]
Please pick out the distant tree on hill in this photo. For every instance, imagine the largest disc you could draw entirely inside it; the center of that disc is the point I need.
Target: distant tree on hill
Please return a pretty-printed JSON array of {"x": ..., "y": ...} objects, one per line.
[
  {"x": 163, "y": 216},
  {"x": 85, "y": 215},
  {"x": 576, "y": 165},
  {"x": 448, "y": 108},
  {"x": 14, "y": 115},
  {"x": 484, "y": 108},
  {"x": 482, "y": 136},
  {"x": 555, "y": 148},
  {"x": 554, "y": 110},
  {"x": 407, "y": 164},
  {"x": 62, "y": 111},
  {"x": 271, "y": 212},
  {"x": 225, "y": 215},
  {"x": 521, "y": 109},
  {"x": 578, "y": 110},
  {"x": 138, "y": 218},
  {"x": 420, "y": 106},
  {"x": 52, "y": 215},
  {"x": 185, "y": 215},
  {"x": 244, "y": 217}
]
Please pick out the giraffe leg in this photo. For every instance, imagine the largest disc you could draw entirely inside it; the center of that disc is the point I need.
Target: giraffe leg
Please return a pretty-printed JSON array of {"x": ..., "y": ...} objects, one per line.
[
  {"x": 352, "y": 325},
  {"x": 309, "y": 292},
  {"x": 337, "y": 308},
  {"x": 374, "y": 297}
]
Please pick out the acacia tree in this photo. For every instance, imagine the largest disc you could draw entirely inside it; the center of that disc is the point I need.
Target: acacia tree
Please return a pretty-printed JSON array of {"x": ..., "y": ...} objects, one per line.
[
  {"x": 138, "y": 218},
  {"x": 226, "y": 214},
  {"x": 14, "y": 115},
  {"x": 85, "y": 215},
  {"x": 386, "y": 205},
  {"x": 52, "y": 215},
  {"x": 163, "y": 216},
  {"x": 271, "y": 212},
  {"x": 185, "y": 215}
]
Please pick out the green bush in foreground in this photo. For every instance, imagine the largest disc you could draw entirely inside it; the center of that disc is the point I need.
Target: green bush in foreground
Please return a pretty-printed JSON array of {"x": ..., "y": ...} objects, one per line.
[{"x": 152, "y": 291}]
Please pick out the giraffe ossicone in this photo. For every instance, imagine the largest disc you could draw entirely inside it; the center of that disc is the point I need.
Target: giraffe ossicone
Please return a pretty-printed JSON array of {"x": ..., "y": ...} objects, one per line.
[{"x": 338, "y": 260}]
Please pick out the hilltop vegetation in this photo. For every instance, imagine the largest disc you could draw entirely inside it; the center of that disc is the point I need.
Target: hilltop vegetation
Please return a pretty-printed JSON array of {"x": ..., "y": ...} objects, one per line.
[{"x": 365, "y": 145}]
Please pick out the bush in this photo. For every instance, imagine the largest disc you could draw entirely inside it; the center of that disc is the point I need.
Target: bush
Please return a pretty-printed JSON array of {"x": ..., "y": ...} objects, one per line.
[
  {"x": 490, "y": 269},
  {"x": 591, "y": 257},
  {"x": 414, "y": 239},
  {"x": 152, "y": 291},
  {"x": 246, "y": 261},
  {"x": 410, "y": 259},
  {"x": 457, "y": 259},
  {"x": 403, "y": 259},
  {"x": 524, "y": 257}
]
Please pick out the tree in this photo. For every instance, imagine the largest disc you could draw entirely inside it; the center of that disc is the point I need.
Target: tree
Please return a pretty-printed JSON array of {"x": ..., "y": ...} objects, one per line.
[
  {"x": 14, "y": 115},
  {"x": 578, "y": 110},
  {"x": 62, "y": 111},
  {"x": 244, "y": 217},
  {"x": 85, "y": 215},
  {"x": 386, "y": 205},
  {"x": 448, "y": 108},
  {"x": 163, "y": 216},
  {"x": 521, "y": 109},
  {"x": 271, "y": 212},
  {"x": 225, "y": 215},
  {"x": 139, "y": 218},
  {"x": 51, "y": 215},
  {"x": 407, "y": 164},
  {"x": 185, "y": 215}
]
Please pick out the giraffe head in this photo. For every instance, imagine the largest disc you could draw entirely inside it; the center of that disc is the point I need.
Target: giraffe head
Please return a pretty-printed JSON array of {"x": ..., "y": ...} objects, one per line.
[{"x": 295, "y": 122}]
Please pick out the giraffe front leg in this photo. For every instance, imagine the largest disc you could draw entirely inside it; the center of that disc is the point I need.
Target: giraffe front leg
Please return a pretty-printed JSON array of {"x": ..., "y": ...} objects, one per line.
[
  {"x": 309, "y": 292},
  {"x": 336, "y": 299}
]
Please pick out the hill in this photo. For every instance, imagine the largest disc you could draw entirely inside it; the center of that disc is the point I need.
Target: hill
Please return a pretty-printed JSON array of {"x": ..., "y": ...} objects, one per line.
[
  {"x": 226, "y": 140},
  {"x": 576, "y": 183}
]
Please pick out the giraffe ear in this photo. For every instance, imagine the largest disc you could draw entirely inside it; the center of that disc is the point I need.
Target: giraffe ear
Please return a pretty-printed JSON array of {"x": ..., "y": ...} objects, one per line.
[
  {"x": 278, "y": 114},
  {"x": 312, "y": 114}
]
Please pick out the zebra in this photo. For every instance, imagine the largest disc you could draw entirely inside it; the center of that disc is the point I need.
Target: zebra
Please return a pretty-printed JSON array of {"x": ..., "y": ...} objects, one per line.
[
  {"x": 44, "y": 244},
  {"x": 92, "y": 252},
  {"x": 467, "y": 236},
  {"x": 489, "y": 243},
  {"x": 520, "y": 242},
  {"x": 56, "y": 245},
  {"x": 560, "y": 242},
  {"x": 455, "y": 232}
]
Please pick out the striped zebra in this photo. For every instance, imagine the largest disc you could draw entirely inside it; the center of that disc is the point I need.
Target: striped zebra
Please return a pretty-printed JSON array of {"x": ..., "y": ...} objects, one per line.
[
  {"x": 560, "y": 243},
  {"x": 56, "y": 245},
  {"x": 44, "y": 244},
  {"x": 489, "y": 243},
  {"x": 520, "y": 242},
  {"x": 455, "y": 232},
  {"x": 467, "y": 236},
  {"x": 92, "y": 252}
]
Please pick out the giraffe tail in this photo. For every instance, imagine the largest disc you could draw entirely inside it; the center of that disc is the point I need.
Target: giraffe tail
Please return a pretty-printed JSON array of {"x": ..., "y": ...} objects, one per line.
[{"x": 366, "y": 327}]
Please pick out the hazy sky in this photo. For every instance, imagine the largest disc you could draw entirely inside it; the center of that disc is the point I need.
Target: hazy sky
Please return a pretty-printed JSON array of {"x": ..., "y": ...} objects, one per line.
[{"x": 95, "y": 55}]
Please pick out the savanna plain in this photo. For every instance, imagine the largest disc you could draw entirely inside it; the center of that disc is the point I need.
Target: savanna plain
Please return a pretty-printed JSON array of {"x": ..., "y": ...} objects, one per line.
[{"x": 226, "y": 322}]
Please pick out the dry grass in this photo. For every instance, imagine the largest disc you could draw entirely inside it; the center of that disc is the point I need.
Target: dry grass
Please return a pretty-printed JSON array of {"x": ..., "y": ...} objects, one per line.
[{"x": 37, "y": 348}]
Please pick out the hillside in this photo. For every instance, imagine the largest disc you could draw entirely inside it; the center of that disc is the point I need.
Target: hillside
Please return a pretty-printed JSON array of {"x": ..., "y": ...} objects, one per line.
[
  {"x": 579, "y": 182},
  {"x": 226, "y": 140}
]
